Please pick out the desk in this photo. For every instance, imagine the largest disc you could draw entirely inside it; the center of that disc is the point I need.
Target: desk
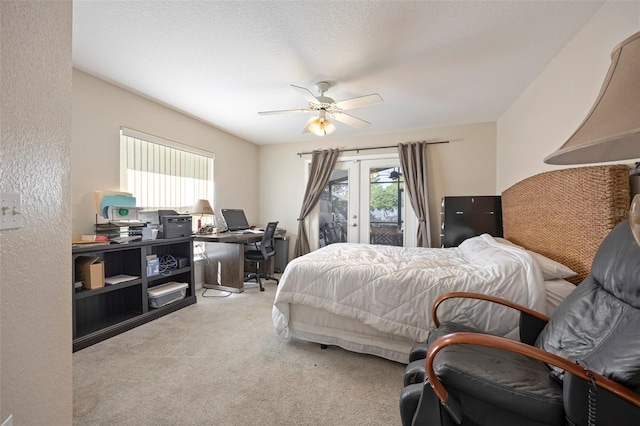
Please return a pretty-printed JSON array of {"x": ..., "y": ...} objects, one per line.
[{"x": 224, "y": 267}]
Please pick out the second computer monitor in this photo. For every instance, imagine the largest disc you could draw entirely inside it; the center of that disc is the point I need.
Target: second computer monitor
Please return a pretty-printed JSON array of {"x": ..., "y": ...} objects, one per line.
[{"x": 235, "y": 219}]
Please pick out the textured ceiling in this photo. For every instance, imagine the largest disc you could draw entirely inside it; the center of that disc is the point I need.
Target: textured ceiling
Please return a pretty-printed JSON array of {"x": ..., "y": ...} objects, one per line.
[{"x": 435, "y": 63}]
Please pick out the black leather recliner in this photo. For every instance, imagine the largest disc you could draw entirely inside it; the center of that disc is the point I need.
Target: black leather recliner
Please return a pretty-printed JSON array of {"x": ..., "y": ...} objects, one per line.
[{"x": 581, "y": 367}]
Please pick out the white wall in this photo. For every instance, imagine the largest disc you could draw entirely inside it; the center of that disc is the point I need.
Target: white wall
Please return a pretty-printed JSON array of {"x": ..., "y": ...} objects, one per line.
[
  {"x": 100, "y": 108},
  {"x": 267, "y": 181},
  {"x": 465, "y": 166},
  {"x": 35, "y": 270},
  {"x": 557, "y": 101}
]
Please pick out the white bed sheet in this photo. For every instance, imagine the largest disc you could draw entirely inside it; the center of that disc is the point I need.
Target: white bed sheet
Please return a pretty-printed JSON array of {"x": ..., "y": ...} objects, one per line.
[
  {"x": 390, "y": 291},
  {"x": 316, "y": 325},
  {"x": 556, "y": 290}
]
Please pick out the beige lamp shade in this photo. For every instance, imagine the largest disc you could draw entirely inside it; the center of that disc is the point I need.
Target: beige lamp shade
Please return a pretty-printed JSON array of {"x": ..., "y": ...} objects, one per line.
[
  {"x": 321, "y": 126},
  {"x": 202, "y": 207},
  {"x": 634, "y": 217},
  {"x": 611, "y": 130}
]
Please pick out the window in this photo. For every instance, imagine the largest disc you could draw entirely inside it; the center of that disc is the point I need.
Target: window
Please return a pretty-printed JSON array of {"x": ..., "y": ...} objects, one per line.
[{"x": 162, "y": 174}]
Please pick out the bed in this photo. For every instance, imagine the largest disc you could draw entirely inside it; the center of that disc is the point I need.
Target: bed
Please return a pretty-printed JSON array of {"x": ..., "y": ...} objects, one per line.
[{"x": 377, "y": 299}]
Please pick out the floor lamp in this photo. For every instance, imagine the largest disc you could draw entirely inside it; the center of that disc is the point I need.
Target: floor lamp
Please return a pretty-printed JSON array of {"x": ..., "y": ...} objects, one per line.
[{"x": 611, "y": 130}]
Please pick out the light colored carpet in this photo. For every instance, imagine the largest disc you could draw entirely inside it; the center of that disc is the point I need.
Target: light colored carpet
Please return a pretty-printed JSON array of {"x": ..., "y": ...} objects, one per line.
[{"x": 220, "y": 362}]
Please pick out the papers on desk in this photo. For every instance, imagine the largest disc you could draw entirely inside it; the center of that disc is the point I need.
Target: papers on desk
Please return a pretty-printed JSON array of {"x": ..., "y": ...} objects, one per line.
[
  {"x": 246, "y": 231},
  {"x": 127, "y": 239}
]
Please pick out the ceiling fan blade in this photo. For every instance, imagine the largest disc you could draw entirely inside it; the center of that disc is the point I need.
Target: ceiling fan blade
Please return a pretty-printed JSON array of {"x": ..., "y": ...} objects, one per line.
[
  {"x": 360, "y": 101},
  {"x": 284, "y": 111},
  {"x": 306, "y": 126},
  {"x": 307, "y": 94},
  {"x": 350, "y": 120}
]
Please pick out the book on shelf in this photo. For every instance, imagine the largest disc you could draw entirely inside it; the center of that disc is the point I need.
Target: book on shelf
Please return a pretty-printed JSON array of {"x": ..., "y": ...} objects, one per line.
[
  {"x": 117, "y": 279},
  {"x": 84, "y": 243}
]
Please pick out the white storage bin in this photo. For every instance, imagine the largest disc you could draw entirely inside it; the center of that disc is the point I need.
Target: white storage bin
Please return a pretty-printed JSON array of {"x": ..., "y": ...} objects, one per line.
[{"x": 164, "y": 294}]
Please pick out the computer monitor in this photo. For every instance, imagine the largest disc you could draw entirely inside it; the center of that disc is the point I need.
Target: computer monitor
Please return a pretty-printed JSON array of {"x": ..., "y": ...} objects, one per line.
[{"x": 235, "y": 219}]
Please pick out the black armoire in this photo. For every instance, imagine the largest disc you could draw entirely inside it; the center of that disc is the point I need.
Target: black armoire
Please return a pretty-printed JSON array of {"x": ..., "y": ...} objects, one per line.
[{"x": 465, "y": 217}]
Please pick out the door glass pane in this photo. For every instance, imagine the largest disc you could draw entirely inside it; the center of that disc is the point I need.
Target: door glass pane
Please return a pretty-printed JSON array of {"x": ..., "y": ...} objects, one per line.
[
  {"x": 334, "y": 209},
  {"x": 386, "y": 186}
]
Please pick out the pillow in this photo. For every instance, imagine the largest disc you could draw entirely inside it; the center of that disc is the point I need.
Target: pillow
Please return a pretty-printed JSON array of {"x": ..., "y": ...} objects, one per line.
[{"x": 551, "y": 269}]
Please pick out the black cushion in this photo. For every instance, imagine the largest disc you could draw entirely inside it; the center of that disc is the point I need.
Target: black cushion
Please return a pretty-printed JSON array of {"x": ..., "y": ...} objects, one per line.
[
  {"x": 415, "y": 371},
  {"x": 593, "y": 324},
  {"x": 513, "y": 382},
  {"x": 616, "y": 265},
  {"x": 257, "y": 255}
]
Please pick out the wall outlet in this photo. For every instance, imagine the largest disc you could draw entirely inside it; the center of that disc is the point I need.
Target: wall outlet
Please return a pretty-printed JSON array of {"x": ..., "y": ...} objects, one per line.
[{"x": 10, "y": 211}]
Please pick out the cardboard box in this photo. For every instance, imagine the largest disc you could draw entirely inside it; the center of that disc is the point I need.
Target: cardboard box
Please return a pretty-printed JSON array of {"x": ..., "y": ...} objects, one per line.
[{"x": 90, "y": 270}]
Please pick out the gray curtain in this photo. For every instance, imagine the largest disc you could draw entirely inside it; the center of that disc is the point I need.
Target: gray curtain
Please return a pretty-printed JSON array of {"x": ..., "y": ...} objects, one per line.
[
  {"x": 413, "y": 160},
  {"x": 322, "y": 163}
]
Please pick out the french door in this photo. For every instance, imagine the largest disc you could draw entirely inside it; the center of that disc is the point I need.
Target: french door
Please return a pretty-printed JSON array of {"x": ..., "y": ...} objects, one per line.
[{"x": 365, "y": 202}]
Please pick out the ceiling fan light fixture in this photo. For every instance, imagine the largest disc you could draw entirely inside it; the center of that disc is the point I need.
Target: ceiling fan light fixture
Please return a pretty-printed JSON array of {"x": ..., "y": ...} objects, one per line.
[
  {"x": 321, "y": 127},
  {"x": 322, "y": 105}
]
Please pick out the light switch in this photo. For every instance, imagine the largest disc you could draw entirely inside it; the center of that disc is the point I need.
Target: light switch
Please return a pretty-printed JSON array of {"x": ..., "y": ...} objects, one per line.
[{"x": 10, "y": 210}]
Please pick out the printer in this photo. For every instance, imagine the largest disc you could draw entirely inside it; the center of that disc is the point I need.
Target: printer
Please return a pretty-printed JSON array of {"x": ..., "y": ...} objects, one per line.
[
  {"x": 174, "y": 226},
  {"x": 170, "y": 224}
]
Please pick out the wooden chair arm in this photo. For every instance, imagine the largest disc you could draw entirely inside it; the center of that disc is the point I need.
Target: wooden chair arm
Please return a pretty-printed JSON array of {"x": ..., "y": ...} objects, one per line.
[
  {"x": 524, "y": 349},
  {"x": 466, "y": 295}
]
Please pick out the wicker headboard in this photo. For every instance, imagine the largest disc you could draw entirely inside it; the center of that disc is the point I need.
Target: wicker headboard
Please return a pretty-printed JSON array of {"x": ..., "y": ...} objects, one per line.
[{"x": 565, "y": 214}]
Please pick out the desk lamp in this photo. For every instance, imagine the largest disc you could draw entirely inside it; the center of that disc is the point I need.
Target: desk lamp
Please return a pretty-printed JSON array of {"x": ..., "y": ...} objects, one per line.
[
  {"x": 202, "y": 207},
  {"x": 611, "y": 130}
]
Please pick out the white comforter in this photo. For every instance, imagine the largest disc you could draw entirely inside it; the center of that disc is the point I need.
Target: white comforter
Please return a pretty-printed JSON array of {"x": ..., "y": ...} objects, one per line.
[{"x": 392, "y": 289}]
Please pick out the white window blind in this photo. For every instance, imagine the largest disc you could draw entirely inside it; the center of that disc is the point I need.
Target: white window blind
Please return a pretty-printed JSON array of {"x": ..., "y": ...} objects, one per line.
[{"x": 163, "y": 174}]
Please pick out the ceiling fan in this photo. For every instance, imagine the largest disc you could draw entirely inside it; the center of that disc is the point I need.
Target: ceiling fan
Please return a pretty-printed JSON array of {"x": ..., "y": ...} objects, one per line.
[{"x": 322, "y": 106}]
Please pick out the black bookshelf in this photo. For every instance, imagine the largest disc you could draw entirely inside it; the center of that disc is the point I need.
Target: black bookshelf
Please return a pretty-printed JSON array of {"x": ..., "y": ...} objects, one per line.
[{"x": 104, "y": 312}]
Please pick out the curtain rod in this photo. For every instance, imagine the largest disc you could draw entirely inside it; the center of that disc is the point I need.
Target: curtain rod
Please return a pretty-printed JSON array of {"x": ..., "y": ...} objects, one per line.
[{"x": 300, "y": 154}]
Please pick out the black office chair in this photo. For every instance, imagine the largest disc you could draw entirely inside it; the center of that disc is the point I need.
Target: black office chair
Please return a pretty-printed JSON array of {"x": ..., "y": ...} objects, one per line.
[
  {"x": 264, "y": 250},
  {"x": 579, "y": 367}
]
